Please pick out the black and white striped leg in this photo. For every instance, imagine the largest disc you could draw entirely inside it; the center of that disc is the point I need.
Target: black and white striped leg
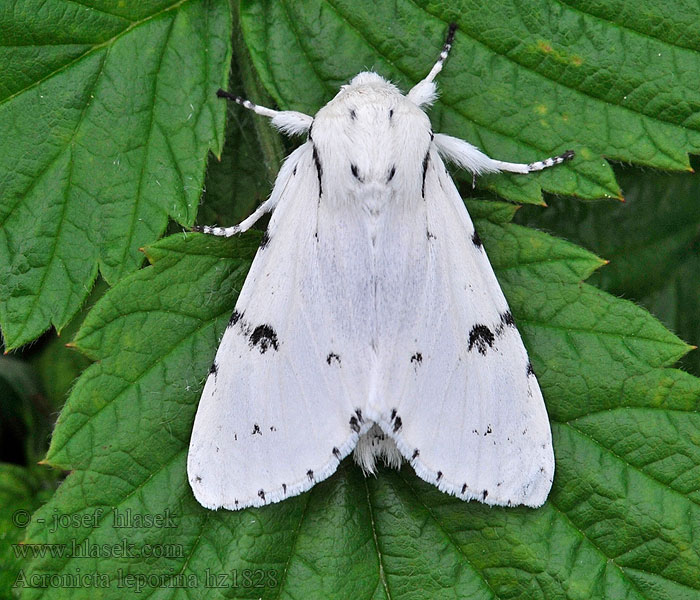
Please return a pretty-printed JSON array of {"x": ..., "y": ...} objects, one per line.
[
  {"x": 550, "y": 162},
  {"x": 533, "y": 166},
  {"x": 244, "y": 225},
  {"x": 258, "y": 110},
  {"x": 219, "y": 231}
]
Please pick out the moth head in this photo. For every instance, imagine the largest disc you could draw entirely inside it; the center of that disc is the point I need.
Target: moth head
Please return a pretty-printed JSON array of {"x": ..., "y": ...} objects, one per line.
[
  {"x": 368, "y": 78},
  {"x": 368, "y": 84}
]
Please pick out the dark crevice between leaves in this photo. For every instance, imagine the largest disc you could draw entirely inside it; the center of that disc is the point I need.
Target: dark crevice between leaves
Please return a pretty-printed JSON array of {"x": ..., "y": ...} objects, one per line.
[{"x": 268, "y": 139}]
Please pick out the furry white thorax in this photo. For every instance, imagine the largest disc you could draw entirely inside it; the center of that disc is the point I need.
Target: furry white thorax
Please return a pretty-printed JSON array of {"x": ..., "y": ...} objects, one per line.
[{"x": 374, "y": 140}]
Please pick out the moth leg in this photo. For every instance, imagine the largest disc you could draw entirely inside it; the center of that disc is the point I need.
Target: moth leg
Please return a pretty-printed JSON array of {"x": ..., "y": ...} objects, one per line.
[
  {"x": 244, "y": 225},
  {"x": 290, "y": 122},
  {"x": 287, "y": 121},
  {"x": 423, "y": 92},
  {"x": 474, "y": 160}
]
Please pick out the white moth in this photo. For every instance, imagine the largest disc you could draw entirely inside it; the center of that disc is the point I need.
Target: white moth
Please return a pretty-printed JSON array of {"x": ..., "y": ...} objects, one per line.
[{"x": 371, "y": 320}]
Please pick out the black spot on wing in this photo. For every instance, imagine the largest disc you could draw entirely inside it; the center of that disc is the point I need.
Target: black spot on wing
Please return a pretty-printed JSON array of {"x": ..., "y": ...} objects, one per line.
[
  {"x": 476, "y": 240},
  {"x": 355, "y": 420},
  {"x": 507, "y": 319},
  {"x": 392, "y": 172},
  {"x": 430, "y": 235},
  {"x": 284, "y": 488},
  {"x": 353, "y": 114},
  {"x": 426, "y": 160},
  {"x": 214, "y": 369},
  {"x": 415, "y": 454},
  {"x": 336, "y": 452},
  {"x": 484, "y": 494},
  {"x": 265, "y": 240},
  {"x": 439, "y": 476},
  {"x": 530, "y": 370},
  {"x": 417, "y": 358},
  {"x": 264, "y": 338},
  {"x": 256, "y": 429},
  {"x": 261, "y": 493},
  {"x": 391, "y": 113},
  {"x": 198, "y": 479},
  {"x": 396, "y": 420},
  {"x": 488, "y": 430},
  {"x": 319, "y": 169},
  {"x": 481, "y": 337},
  {"x": 294, "y": 170},
  {"x": 235, "y": 317},
  {"x": 310, "y": 475},
  {"x": 333, "y": 357},
  {"x": 464, "y": 488},
  {"x": 355, "y": 172}
]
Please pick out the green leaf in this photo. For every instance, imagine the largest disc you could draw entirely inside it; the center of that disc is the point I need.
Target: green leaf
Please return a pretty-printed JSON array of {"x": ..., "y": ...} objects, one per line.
[
  {"x": 621, "y": 520},
  {"x": 652, "y": 242},
  {"x": 236, "y": 183},
  {"x": 524, "y": 80},
  {"x": 21, "y": 492},
  {"x": 106, "y": 124}
]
